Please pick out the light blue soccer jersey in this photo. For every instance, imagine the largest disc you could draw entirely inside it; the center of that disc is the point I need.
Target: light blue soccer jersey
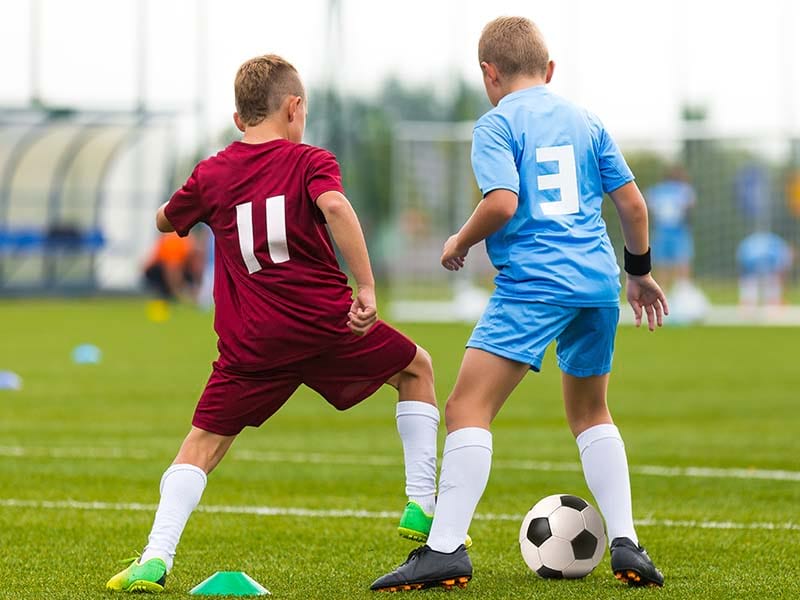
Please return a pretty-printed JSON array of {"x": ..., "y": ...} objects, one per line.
[
  {"x": 670, "y": 201},
  {"x": 559, "y": 160},
  {"x": 763, "y": 253}
]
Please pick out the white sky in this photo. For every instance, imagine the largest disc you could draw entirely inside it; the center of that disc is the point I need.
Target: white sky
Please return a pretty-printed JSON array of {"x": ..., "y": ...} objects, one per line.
[{"x": 633, "y": 62}]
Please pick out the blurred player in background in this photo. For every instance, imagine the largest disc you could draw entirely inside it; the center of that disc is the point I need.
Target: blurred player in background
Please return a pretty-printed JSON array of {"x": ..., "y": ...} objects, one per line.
[
  {"x": 671, "y": 202},
  {"x": 542, "y": 165},
  {"x": 764, "y": 260},
  {"x": 285, "y": 314},
  {"x": 175, "y": 268}
]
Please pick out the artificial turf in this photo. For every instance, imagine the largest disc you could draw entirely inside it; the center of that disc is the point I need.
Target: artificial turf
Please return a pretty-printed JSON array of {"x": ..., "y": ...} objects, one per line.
[{"x": 80, "y": 444}]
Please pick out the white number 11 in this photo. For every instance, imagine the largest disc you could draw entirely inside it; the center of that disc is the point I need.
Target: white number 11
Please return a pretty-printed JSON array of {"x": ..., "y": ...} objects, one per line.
[{"x": 277, "y": 247}]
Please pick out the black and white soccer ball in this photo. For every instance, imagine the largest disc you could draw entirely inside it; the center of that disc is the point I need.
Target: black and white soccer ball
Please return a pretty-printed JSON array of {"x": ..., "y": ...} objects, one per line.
[{"x": 562, "y": 536}]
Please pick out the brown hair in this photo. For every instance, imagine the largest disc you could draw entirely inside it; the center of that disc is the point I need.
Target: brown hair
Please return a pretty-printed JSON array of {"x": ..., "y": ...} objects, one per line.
[
  {"x": 261, "y": 85},
  {"x": 515, "y": 45}
]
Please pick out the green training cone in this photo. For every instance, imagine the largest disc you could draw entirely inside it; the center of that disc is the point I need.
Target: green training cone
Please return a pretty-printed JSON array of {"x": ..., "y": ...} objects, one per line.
[{"x": 229, "y": 583}]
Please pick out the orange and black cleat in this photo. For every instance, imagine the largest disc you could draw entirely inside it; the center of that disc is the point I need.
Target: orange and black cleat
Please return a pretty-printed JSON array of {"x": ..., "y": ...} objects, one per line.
[
  {"x": 632, "y": 565},
  {"x": 426, "y": 568}
]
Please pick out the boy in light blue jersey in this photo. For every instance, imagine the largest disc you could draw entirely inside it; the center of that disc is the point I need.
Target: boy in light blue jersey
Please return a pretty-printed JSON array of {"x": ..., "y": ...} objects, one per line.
[
  {"x": 670, "y": 202},
  {"x": 543, "y": 165},
  {"x": 764, "y": 259}
]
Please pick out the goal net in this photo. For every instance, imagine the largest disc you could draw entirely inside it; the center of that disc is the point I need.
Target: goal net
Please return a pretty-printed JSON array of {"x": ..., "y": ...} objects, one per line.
[{"x": 744, "y": 225}]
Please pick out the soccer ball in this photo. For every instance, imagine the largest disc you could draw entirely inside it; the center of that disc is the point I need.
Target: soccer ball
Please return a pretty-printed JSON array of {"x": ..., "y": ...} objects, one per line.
[{"x": 562, "y": 536}]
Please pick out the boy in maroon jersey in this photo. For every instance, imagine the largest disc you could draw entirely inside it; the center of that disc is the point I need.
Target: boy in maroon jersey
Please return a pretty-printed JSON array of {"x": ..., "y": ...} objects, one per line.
[{"x": 285, "y": 314}]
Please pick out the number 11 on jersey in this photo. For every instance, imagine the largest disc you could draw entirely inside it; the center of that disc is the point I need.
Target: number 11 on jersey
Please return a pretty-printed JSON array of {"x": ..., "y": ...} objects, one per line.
[{"x": 277, "y": 246}]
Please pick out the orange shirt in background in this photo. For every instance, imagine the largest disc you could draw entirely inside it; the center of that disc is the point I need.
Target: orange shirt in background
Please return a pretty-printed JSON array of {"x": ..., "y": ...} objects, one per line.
[{"x": 171, "y": 250}]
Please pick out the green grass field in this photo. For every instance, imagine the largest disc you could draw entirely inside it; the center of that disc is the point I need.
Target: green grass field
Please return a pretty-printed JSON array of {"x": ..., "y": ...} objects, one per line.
[{"x": 83, "y": 448}]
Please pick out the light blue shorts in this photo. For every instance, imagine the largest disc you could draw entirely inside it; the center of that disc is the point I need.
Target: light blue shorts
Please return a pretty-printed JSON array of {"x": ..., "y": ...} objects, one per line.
[
  {"x": 672, "y": 246},
  {"x": 522, "y": 331}
]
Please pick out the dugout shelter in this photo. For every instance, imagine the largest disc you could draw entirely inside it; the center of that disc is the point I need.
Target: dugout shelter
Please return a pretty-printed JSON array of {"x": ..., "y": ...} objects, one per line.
[{"x": 78, "y": 190}]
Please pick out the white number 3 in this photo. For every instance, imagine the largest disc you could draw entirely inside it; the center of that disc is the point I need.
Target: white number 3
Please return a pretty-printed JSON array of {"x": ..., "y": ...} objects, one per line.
[
  {"x": 565, "y": 181},
  {"x": 277, "y": 248}
]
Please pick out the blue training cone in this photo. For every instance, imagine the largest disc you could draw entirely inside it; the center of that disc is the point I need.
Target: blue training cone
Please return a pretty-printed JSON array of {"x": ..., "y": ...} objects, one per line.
[
  {"x": 86, "y": 354},
  {"x": 229, "y": 583},
  {"x": 10, "y": 381}
]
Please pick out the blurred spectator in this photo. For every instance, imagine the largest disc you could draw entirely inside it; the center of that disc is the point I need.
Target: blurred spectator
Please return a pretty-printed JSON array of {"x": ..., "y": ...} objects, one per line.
[
  {"x": 763, "y": 259},
  {"x": 793, "y": 192},
  {"x": 175, "y": 268},
  {"x": 670, "y": 203}
]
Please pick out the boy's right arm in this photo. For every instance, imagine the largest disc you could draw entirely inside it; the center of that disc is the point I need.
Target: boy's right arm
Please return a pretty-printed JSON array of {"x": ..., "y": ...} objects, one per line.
[
  {"x": 162, "y": 222},
  {"x": 494, "y": 211},
  {"x": 349, "y": 238},
  {"x": 643, "y": 292}
]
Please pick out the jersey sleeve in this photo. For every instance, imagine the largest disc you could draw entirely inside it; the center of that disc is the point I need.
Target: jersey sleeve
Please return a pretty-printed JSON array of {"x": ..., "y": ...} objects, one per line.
[
  {"x": 493, "y": 158},
  {"x": 186, "y": 207},
  {"x": 614, "y": 171},
  {"x": 323, "y": 174}
]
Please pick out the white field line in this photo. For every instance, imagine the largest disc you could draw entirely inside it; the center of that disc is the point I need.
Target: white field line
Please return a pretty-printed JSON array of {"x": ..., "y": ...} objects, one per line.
[
  {"x": 386, "y": 461},
  {"x": 276, "y": 511}
]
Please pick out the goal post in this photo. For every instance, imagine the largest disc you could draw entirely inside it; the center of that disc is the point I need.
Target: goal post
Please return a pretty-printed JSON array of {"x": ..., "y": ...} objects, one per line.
[{"x": 433, "y": 193}]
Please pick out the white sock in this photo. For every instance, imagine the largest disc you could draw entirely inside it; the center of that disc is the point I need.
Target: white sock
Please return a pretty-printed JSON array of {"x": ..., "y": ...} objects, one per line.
[
  {"x": 605, "y": 468},
  {"x": 418, "y": 425},
  {"x": 181, "y": 489},
  {"x": 466, "y": 463}
]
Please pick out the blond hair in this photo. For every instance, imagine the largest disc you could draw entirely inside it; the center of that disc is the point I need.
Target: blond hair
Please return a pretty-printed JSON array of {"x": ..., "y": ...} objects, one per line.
[
  {"x": 261, "y": 85},
  {"x": 515, "y": 45}
]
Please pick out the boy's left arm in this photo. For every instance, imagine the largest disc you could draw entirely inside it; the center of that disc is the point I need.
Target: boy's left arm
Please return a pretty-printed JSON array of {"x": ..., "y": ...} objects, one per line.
[
  {"x": 346, "y": 231},
  {"x": 494, "y": 211},
  {"x": 644, "y": 294}
]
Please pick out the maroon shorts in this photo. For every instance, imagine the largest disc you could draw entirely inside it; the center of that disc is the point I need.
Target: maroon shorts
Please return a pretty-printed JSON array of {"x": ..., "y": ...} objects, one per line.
[{"x": 344, "y": 374}]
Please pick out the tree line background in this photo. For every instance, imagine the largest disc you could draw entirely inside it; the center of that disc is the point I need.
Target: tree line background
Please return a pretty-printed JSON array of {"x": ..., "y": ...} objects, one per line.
[{"x": 359, "y": 130}]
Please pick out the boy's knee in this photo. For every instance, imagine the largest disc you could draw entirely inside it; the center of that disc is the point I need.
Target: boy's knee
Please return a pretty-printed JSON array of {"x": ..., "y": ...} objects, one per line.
[
  {"x": 421, "y": 366},
  {"x": 416, "y": 380},
  {"x": 203, "y": 449},
  {"x": 458, "y": 412}
]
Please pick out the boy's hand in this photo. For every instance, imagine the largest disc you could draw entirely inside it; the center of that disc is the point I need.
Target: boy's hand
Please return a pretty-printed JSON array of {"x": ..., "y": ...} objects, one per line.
[
  {"x": 453, "y": 255},
  {"x": 644, "y": 294},
  {"x": 363, "y": 312}
]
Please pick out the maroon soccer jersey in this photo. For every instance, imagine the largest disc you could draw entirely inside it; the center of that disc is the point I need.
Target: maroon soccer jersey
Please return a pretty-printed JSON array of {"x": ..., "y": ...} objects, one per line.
[{"x": 279, "y": 292}]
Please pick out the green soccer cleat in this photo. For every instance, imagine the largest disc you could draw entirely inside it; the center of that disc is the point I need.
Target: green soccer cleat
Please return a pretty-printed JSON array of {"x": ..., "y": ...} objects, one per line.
[
  {"x": 415, "y": 524},
  {"x": 147, "y": 577}
]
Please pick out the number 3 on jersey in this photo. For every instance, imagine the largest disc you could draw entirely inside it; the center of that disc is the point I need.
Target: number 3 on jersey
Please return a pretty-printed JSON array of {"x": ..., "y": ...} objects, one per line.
[
  {"x": 565, "y": 180},
  {"x": 277, "y": 248}
]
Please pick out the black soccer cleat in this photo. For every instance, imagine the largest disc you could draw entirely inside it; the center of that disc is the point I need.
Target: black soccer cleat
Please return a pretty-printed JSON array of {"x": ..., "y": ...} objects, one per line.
[
  {"x": 426, "y": 568},
  {"x": 632, "y": 565}
]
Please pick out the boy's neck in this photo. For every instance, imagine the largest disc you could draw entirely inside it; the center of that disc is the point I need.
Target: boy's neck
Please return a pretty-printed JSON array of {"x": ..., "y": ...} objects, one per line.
[
  {"x": 522, "y": 82},
  {"x": 266, "y": 131}
]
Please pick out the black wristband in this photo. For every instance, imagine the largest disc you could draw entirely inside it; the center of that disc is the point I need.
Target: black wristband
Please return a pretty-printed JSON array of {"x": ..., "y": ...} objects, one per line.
[{"x": 637, "y": 264}]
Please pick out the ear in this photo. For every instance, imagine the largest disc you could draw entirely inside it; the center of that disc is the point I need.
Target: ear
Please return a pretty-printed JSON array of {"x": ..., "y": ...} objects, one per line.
[
  {"x": 238, "y": 121},
  {"x": 490, "y": 71},
  {"x": 293, "y": 105},
  {"x": 551, "y": 66}
]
